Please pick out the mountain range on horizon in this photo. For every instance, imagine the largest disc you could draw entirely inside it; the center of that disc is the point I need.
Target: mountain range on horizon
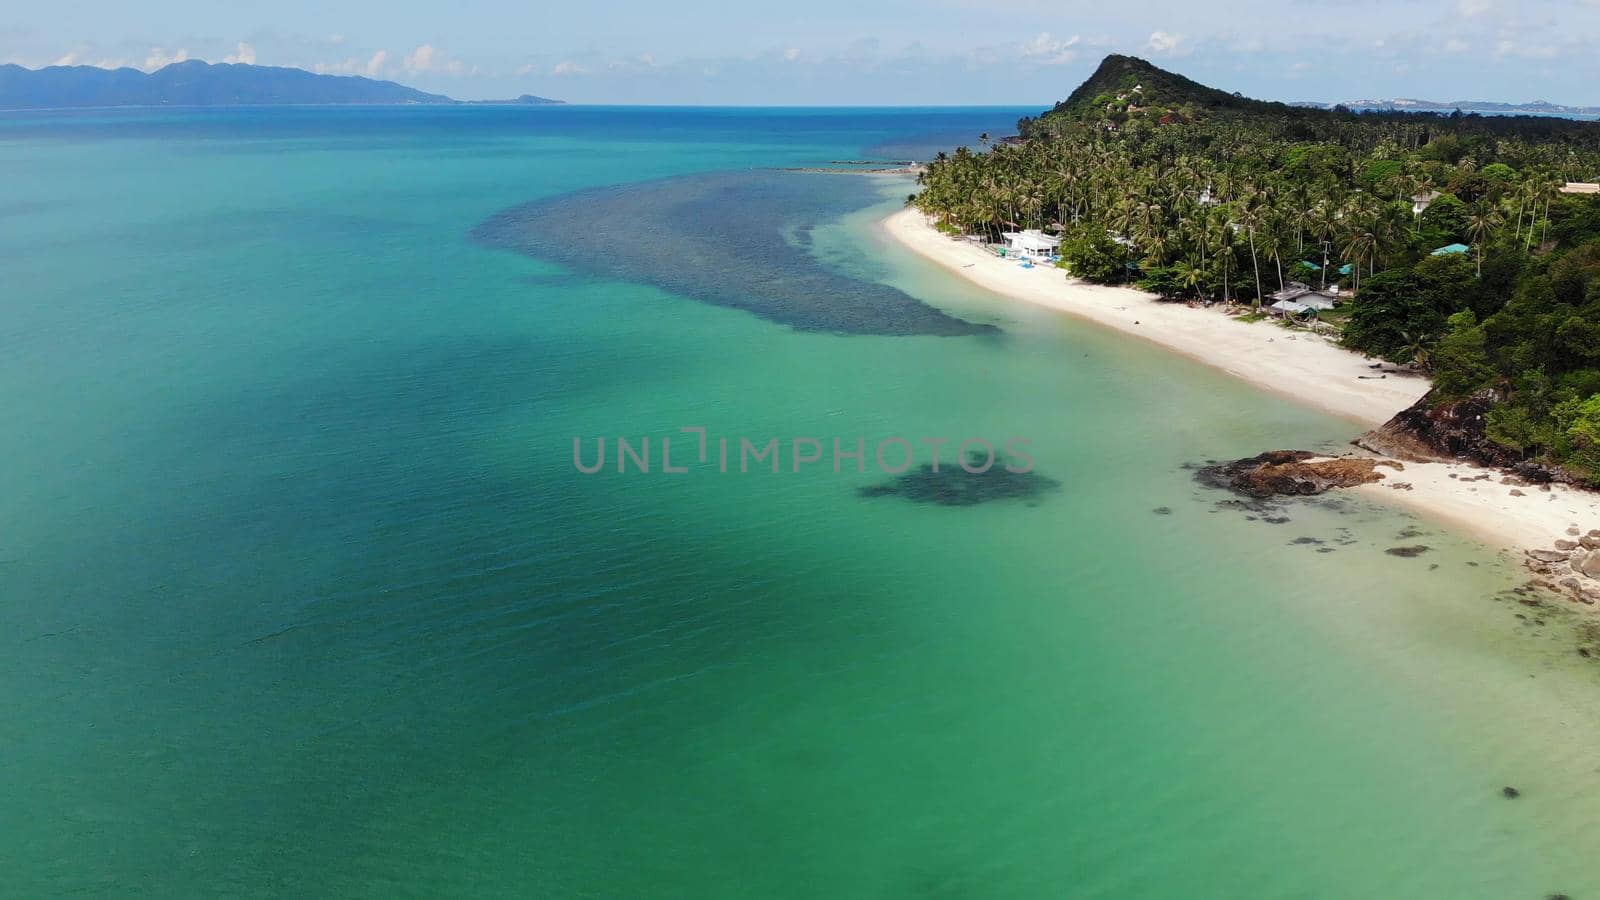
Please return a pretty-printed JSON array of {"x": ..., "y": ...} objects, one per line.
[
  {"x": 1536, "y": 107},
  {"x": 198, "y": 83}
]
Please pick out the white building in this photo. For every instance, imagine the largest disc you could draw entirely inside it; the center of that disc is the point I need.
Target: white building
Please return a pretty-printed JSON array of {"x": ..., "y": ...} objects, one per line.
[
  {"x": 1297, "y": 299},
  {"x": 1421, "y": 202},
  {"x": 1580, "y": 187},
  {"x": 1030, "y": 244}
]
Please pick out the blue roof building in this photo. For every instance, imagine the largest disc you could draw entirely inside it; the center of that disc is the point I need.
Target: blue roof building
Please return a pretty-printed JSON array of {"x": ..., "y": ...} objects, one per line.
[{"x": 1448, "y": 249}]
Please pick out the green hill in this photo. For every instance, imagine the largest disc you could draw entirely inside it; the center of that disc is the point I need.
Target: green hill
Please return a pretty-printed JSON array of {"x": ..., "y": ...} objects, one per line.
[{"x": 1123, "y": 75}]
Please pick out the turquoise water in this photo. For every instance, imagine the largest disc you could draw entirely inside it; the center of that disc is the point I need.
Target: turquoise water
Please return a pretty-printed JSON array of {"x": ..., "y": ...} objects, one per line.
[{"x": 301, "y": 594}]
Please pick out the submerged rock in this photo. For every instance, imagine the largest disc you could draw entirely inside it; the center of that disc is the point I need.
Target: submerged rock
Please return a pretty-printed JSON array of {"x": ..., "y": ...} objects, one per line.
[
  {"x": 1408, "y": 552},
  {"x": 953, "y": 485},
  {"x": 1510, "y": 793}
]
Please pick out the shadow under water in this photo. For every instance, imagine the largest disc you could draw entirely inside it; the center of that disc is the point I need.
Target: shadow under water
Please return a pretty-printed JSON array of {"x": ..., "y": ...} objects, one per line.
[
  {"x": 731, "y": 239},
  {"x": 957, "y": 485}
]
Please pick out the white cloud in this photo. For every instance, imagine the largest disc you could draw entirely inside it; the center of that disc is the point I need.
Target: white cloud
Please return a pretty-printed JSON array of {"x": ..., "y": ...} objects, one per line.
[
  {"x": 244, "y": 54},
  {"x": 421, "y": 59},
  {"x": 1456, "y": 45},
  {"x": 568, "y": 67},
  {"x": 159, "y": 58},
  {"x": 427, "y": 58},
  {"x": 1165, "y": 42},
  {"x": 1049, "y": 51},
  {"x": 1526, "y": 51},
  {"x": 791, "y": 54},
  {"x": 371, "y": 67},
  {"x": 70, "y": 59},
  {"x": 1471, "y": 9}
]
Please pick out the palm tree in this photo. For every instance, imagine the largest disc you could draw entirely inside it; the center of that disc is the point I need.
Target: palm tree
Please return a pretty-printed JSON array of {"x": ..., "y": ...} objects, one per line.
[
  {"x": 1481, "y": 223},
  {"x": 1250, "y": 218},
  {"x": 1414, "y": 347},
  {"x": 1189, "y": 276},
  {"x": 1360, "y": 247}
]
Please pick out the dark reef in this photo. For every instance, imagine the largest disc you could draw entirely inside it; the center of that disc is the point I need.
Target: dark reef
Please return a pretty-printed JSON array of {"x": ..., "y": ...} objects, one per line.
[
  {"x": 953, "y": 485},
  {"x": 737, "y": 240}
]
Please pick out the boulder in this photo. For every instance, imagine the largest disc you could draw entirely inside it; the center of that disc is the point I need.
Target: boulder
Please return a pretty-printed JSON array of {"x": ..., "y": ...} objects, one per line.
[
  {"x": 1548, "y": 555},
  {"x": 1589, "y": 565},
  {"x": 1292, "y": 473},
  {"x": 1566, "y": 545},
  {"x": 1590, "y": 542}
]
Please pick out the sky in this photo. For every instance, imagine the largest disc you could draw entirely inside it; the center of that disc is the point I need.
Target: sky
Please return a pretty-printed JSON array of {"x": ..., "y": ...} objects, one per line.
[{"x": 848, "y": 52}]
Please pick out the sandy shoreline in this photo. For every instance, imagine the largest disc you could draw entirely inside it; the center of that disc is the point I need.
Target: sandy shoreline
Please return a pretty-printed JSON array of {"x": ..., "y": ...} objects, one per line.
[
  {"x": 1306, "y": 368},
  {"x": 1299, "y": 365},
  {"x": 1505, "y": 516}
]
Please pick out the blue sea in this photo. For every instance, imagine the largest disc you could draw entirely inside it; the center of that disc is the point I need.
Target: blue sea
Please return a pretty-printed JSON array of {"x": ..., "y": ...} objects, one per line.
[{"x": 304, "y": 594}]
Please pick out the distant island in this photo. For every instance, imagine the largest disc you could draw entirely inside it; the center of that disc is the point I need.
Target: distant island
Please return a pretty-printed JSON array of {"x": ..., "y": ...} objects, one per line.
[
  {"x": 1402, "y": 104},
  {"x": 198, "y": 83},
  {"x": 524, "y": 100}
]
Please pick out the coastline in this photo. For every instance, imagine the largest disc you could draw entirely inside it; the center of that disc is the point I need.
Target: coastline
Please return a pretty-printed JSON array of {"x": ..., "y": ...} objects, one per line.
[
  {"x": 1503, "y": 513},
  {"x": 1302, "y": 366}
]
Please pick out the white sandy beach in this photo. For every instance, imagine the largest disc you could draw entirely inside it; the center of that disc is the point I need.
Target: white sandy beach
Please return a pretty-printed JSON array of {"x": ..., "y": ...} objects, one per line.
[
  {"x": 1300, "y": 365},
  {"x": 1500, "y": 515},
  {"x": 1304, "y": 367}
]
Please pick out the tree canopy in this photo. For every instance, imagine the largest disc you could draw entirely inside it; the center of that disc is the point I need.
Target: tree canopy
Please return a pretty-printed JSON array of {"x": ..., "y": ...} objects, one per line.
[{"x": 1198, "y": 193}]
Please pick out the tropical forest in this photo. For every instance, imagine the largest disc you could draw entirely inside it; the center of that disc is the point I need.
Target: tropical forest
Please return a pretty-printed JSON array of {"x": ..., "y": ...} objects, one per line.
[{"x": 1464, "y": 251}]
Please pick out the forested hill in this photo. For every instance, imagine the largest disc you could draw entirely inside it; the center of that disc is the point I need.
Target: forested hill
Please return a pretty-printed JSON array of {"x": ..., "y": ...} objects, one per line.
[
  {"x": 1466, "y": 246},
  {"x": 1121, "y": 75},
  {"x": 1126, "y": 88},
  {"x": 198, "y": 83}
]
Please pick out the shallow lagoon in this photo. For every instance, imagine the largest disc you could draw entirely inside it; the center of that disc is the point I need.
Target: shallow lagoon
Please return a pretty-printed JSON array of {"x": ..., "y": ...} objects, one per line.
[{"x": 301, "y": 594}]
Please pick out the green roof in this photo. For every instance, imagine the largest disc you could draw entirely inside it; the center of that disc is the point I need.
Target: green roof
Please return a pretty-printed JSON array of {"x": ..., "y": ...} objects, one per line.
[
  {"x": 1451, "y": 248},
  {"x": 1343, "y": 270}
]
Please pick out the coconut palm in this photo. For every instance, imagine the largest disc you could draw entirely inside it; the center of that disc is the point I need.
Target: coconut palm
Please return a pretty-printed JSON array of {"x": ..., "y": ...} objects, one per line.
[{"x": 1481, "y": 223}]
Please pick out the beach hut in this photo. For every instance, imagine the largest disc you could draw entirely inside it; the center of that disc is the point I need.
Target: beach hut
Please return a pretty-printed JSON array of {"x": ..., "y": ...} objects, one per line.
[
  {"x": 1449, "y": 249},
  {"x": 1286, "y": 308},
  {"x": 1580, "y": 187},
  {"x": 1296, "y": 298},
  {"x": 1030, "y": 244}
]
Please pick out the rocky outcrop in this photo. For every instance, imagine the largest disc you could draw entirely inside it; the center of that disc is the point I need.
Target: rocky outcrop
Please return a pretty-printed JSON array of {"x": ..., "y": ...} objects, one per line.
[
  {"x": 1456, "y": 431},
  {"x": 1574, "y": 571},
  {"x": 1293, "y": 473}
]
